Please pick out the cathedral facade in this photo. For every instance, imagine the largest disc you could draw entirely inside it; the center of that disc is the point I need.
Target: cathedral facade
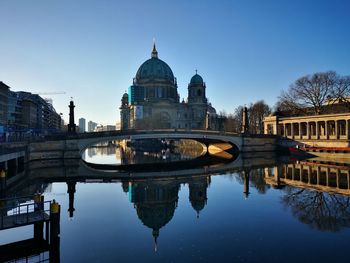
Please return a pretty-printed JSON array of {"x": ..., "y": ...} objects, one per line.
[{"x": 153, "y": 102}]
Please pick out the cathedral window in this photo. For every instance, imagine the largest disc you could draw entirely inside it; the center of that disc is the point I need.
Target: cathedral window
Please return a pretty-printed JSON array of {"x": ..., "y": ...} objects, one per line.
[{"x": 151, "y": 93}]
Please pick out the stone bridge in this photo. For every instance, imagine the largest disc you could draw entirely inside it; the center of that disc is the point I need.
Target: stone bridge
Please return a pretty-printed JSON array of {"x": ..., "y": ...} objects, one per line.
[
  {"x": 72, "y": 145},
  {"x": 60, "y": 170}
]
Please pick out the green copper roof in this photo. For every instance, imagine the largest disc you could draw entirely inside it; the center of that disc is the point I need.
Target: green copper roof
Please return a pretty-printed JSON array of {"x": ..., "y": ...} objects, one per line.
[{"x": 196, "y": 79}]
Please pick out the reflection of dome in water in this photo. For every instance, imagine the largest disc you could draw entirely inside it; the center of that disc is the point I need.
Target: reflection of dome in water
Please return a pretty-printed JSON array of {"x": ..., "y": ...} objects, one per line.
[
  {"x": 156, "y": 216},
  {"x": 198, "y": 193},
  {"x": 198, "y": 205},
  {"x": 155, "y": 203},
  {"x": 125, "y": 186}
]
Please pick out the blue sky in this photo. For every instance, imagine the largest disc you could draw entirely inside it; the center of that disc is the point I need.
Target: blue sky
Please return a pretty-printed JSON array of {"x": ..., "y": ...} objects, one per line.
[{"x": 244, "y": 50}]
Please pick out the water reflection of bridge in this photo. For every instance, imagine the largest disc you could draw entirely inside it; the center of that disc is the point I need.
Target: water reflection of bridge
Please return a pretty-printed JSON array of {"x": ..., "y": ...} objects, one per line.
[
  {"x": 61, "y": 170},
  {"x": 155, "y": 195},
  {"x": 312, "y": 174}
]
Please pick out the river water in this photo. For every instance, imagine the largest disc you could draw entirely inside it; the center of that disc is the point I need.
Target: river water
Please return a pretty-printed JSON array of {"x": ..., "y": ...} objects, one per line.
[{"x": 273, "y": 210}]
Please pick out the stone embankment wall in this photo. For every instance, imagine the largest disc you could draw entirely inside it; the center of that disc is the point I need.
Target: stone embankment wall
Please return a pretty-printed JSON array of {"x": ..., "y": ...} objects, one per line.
[
  {"x": 65, "y": 149},
  {"x": 257, "y": 143}
]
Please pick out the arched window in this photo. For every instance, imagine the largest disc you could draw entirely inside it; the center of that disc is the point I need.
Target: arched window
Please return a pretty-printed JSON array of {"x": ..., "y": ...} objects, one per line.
[{"x": 199, "y": 92}]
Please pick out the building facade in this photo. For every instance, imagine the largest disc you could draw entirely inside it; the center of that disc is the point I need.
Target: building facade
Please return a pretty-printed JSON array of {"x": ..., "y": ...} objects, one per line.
[
  {"x": 153, "y": 101},
  {"x": 4, "y": 93},
  {"x": 331, "y": 129},
  {"x": 38, "y": 114},
  {"x": 23, "y": 113},
  {"x": 102, "y": 128},
  {"x": 82, "y": 125},
  {"x": 92, "y": 126}
]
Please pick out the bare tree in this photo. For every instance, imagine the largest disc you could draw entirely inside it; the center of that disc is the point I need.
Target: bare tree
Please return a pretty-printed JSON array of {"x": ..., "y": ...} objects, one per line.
[
  {"x": 314, "y": 91},
  {"x": 342, "y": 90},
  {"x": 324, "y": 211},
  {"x": 257, "y": 112},
  {"x": 232, "y": 122}
]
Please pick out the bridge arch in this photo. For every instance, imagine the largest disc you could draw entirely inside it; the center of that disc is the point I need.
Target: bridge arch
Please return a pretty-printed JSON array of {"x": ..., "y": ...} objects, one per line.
[{"x": 204, "y": 137}]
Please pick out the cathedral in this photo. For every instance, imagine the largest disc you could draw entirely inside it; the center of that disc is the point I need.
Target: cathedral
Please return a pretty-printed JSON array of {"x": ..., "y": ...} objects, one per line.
[{"x": 152, "y": 101}]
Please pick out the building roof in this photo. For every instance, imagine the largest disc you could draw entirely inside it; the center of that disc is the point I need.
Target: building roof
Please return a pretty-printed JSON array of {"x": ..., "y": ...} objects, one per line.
[
  {"x": 3, "y": 85},
  {"x": 335, "y": 108},
  {"x": 196, "y": 79},
  {"x": 154, "y": 69}
]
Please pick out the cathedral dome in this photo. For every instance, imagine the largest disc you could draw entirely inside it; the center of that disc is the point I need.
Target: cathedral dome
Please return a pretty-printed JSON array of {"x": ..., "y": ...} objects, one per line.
[
  {"x": 154, "y": 69},
  {"x": 196, "y": 79}
]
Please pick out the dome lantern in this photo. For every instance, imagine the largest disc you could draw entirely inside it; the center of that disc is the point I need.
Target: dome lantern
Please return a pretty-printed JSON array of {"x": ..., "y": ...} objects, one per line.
[{"x": 154, "y": 53}]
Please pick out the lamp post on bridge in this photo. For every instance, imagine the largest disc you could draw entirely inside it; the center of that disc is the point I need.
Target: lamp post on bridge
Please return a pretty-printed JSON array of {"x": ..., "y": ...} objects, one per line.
[
  {"x": 245, "y": 122},
  {"x": 71, "y": 124}
]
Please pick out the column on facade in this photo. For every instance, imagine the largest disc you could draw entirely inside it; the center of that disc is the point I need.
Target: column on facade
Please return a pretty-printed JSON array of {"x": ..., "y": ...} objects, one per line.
[
  {"x": 284, "y": 130},
  {"x": 318, "y": 175},
  {"x": 326, "y": 129},
  {"x": 300, "y": 136},
  {"x": 309, "y": 172},
  {"x": 277, "y": 175},
  {"x": 337, "y": 175},
  {"x": 336, "y": 128},
  {"x": 275, "y": 128},
  {"x": 347, "y": 129},
  {"x": 308, "y": 136},
  {"x": 292, "y": 130},
  {"x": 317, "y": 130}
]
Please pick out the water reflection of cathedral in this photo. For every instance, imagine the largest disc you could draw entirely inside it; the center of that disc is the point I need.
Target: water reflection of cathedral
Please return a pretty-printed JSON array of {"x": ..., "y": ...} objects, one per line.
[{"x": 155, "y": 201}]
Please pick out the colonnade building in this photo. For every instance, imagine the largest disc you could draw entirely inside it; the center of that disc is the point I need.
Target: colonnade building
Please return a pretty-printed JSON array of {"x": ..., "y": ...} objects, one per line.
[{"x": 324, "y": 130}]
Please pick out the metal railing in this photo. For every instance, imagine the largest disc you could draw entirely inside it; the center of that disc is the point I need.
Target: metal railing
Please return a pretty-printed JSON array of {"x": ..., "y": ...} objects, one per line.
[{"x": 23, "y": 213}]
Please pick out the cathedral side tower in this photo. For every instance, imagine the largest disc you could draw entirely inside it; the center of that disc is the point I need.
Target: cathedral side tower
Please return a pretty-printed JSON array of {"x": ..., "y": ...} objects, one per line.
[{"x": 196, "y": 90}]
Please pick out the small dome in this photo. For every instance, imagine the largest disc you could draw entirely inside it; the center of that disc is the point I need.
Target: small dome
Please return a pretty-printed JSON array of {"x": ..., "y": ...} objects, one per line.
[
  {"x": 196, "y": 79},
  {"x": 157, "y": 215},
  {"x": 198, "y": 205},
  {"x": 125, "y": 95}
]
